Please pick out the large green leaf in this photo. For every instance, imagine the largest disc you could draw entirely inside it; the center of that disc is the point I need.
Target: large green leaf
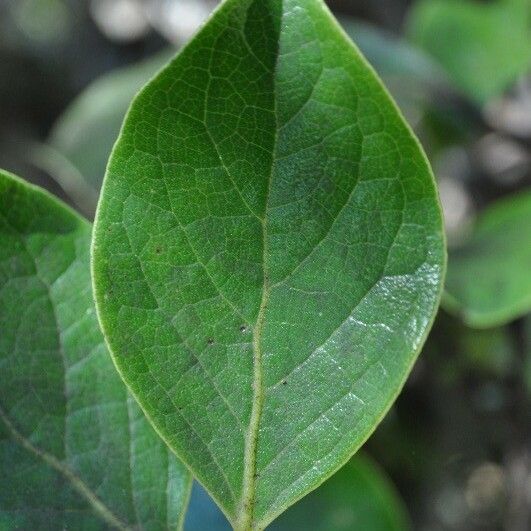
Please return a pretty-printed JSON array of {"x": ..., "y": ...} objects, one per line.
[
  {"x": 268, "y": 253},
  {"x": 76, "y": 452},
  {"x": 484, "y": 46},
  {"x": 489, "y": 280}
]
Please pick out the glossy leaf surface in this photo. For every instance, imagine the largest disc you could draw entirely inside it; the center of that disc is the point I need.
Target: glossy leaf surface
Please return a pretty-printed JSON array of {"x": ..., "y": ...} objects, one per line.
[
  {"x": 76, "y": 452},
  {"x": 268, "y": 253},
  {"x": 484, "y": 46},
  {"x": 489, "y": 280}
]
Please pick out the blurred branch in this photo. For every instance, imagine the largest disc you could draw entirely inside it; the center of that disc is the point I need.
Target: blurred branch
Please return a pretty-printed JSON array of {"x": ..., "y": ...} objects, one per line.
[{"x": 59, "y": 168}]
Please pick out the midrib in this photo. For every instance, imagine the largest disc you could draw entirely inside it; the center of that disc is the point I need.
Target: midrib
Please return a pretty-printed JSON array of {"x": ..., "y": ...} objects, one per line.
[
  {"x": 246, "y": 520},
  {"x": 246, "y": 517}
]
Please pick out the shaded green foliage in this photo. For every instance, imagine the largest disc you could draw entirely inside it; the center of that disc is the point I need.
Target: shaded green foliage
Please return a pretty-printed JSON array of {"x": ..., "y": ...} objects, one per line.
[
  {"x": 484, "y": 46},
  {"x": 75, "y": 449},
  {"x": 488, "y": 281}
]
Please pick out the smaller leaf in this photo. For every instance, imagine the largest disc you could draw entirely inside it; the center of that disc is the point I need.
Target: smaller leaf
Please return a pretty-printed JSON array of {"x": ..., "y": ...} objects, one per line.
[
  {"x": 483, "y": 46},
  {"x": 488, "y": 281},
  {"x": 86, "y": 131},
  {"x": 76, "y": 452}
]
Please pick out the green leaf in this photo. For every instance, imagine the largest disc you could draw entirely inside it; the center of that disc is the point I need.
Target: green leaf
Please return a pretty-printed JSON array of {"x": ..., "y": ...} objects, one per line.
[
  {"x": 484, "y": 46},
  {"x": 526, "y": 369},
  {"x": 268, "y": 253},
  {"x": 76, "y": 452},
  {"x": 85, "y": 133},
  {"x": 359, "y": 496},
  {"x": 488, "y": 282}
]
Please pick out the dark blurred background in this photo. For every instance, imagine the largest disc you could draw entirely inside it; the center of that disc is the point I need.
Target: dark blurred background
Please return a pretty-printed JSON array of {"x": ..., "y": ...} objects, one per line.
[
  {"x": 458, "y": 442},
  {"x": 52, "y": 49}
]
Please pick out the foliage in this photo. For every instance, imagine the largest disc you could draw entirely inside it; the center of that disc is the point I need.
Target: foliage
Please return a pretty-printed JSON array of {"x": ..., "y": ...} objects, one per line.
[
  {"x": 84, "y": 455},
  {"x": 484, "y": 46},
  {"x": 268, "y": 261},
  {"x": 488, "y": 282},
  {"x": 262, "y": 314}
]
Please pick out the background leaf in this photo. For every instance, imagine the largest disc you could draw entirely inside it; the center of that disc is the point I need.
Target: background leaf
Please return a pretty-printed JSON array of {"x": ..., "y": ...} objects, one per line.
[
  {"x": 76, "y": 452},
  {"x": 359, "y": 496},
  {"x": 488, "y": 281},
  {"x": 484, "y": 46},
  {"x": 85, "y": 133},
  {"x": 268, "y": 253},
  {"x": 413, "y": 77}
]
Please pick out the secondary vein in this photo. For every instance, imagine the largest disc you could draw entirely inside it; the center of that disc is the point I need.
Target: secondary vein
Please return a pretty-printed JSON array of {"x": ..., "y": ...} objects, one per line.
[{"x": 82, "y": 488}]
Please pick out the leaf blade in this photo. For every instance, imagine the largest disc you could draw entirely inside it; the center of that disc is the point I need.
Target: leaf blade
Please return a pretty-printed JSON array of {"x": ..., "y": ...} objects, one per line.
[
  {"x": 67, "y": 419},
  {"x": 484, "y": 47},
  {"x": 280, "y": 129},
  {"x": 488, "y": 281}
]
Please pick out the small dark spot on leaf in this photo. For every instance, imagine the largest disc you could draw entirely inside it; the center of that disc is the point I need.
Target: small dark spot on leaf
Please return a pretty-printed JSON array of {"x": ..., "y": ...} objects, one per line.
[
  {"x": 158, "y": 250},
  {"x": 243, "y": 328},
  {"x": 284, "y": 382},
  {"x": 210, "y": 341}
]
